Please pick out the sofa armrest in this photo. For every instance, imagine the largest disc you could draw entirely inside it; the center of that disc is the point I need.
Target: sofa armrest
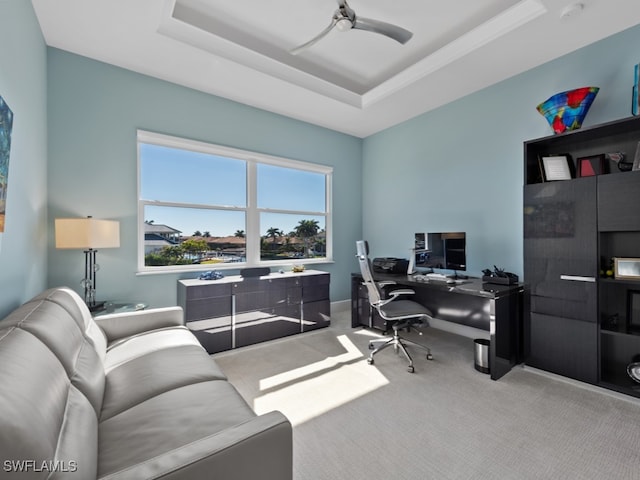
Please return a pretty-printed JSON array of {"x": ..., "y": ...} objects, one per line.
[
  {"x": 259, "y": 448},
  {"x": 120, "y": 325}
]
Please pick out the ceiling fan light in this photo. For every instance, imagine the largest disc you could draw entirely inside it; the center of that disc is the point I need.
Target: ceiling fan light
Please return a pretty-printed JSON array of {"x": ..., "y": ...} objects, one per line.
[{"x": 344, "y": 24}]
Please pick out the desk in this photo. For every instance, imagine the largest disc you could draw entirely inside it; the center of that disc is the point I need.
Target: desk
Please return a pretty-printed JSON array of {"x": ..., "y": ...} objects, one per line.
[{"x": 490, "y": 307}]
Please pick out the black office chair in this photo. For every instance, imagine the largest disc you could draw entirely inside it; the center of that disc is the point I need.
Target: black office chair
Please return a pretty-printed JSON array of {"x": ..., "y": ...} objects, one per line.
[{"x": 396, "y": 312}]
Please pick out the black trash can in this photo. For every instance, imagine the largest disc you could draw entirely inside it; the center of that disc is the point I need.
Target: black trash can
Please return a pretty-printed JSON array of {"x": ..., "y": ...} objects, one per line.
[{"x": 481, "y": 356}]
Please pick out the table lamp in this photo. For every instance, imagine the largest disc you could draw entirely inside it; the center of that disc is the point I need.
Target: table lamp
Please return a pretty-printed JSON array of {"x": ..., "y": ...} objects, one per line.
[{"x": 89, "y": 234}]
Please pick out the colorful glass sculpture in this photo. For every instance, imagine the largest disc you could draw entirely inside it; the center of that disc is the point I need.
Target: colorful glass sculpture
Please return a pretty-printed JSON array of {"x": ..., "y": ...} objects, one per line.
[{"x": 566, "y": 110}]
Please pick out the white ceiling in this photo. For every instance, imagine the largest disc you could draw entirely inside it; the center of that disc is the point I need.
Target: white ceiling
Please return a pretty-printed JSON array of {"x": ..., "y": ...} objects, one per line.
[{"x": 356, "y": 82}]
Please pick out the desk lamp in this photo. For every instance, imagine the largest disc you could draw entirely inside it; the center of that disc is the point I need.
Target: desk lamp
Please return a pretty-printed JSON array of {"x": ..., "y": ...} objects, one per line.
[{"x": 88, "y": 234}]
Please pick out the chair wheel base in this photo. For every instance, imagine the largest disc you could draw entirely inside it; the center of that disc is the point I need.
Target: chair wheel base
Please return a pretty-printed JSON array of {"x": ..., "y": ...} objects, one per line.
[
  {"x": 429, "y": 356},
  {"x": 370, "y": 361},
  {"x": 411, "y": 369}
]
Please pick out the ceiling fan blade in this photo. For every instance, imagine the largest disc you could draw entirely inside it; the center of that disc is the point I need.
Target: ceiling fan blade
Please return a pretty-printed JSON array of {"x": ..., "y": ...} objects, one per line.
[
  {"x": 315, "y": 39},
  {"x": 398, "y": 34}
]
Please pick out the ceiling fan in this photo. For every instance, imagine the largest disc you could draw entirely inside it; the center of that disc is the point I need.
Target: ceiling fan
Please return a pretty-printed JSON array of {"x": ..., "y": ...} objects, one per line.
[{"x": 345, "y": 19}]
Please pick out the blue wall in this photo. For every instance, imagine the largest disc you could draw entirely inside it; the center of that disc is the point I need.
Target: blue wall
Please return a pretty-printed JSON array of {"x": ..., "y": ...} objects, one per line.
[
  {"x": 460, "y": 167},
  {"x": 94, "y": 111},
  {"x": 23, "y": 64},
  {"x": 455, "y": 168}
]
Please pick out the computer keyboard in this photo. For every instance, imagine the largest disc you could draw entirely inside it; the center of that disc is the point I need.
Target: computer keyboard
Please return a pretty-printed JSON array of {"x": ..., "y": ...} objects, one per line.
[{"x": 437, "y": 276}]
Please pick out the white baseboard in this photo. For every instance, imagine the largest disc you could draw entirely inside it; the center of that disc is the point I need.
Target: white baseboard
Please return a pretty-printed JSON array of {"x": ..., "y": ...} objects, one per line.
[
  {"x": 586, "y": 386},
  {"x": 340, "y": 306}
]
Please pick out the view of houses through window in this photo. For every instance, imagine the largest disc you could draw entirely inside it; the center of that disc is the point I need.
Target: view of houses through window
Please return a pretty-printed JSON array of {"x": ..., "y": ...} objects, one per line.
[{"x": 203, "y": 204}]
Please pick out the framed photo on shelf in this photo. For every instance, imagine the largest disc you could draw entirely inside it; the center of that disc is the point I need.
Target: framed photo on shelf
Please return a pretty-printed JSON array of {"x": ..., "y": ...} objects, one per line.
[
  {"x": 633, "y": 310},
  {"x": 626, "y": 268},
  {"x": 555, "y": 167},
  {"x": 590, "y": 166}
]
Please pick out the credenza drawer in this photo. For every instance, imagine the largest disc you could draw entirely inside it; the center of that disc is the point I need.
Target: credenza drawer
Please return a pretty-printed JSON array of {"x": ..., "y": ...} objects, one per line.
[
  {"x": 208, "y": 290},
  {"x": 207, "y": 308}
]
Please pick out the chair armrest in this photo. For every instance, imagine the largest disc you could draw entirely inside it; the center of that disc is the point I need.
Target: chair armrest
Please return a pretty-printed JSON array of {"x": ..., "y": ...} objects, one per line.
[
  {"x": 386, "y": 283},
  {"x": 401, "y": 291},
  {"x": 259, "y": 448},
  {"x": 393, "y": 294},
  {"x": 120, "y": 325}
]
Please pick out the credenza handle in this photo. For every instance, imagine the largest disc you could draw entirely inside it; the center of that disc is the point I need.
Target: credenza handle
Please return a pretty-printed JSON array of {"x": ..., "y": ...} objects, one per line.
[{"x": 578, "y": 278}]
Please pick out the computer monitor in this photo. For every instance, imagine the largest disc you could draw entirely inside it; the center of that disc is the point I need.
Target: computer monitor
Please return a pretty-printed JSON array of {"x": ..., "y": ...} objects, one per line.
[{"x": 443, "y": 250}]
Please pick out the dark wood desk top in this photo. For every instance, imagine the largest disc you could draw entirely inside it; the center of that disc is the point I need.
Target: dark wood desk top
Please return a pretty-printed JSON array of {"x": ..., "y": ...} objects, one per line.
[{"x": 469, "y": 286}]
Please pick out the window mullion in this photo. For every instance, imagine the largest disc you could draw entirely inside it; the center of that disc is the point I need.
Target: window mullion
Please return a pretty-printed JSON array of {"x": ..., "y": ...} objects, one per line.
[
  {"x": 253, "y": 217},
  {"x": 329, "y": 215}
]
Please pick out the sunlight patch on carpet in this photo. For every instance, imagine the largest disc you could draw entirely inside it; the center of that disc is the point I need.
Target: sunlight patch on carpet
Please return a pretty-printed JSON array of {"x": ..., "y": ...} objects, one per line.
[{"x": 312, "y": 390}]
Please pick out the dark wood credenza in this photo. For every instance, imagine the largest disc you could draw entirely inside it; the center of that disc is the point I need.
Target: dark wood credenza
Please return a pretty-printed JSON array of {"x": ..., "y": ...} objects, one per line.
[
  {"x": 490, "y": 307},
  {"x": 237, "y": 311}
]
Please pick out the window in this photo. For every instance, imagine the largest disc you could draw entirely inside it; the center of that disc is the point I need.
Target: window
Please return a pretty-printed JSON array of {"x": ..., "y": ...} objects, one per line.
[{"x": 204, "y": 206}]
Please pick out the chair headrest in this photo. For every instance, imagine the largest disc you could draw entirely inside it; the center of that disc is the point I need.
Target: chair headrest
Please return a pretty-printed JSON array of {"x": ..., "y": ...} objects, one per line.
[{"x": 362, "y": 247}]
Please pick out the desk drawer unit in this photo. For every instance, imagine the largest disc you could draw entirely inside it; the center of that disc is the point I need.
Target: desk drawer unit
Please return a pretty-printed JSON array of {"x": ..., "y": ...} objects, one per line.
[
  {"x": 265, "y": 309},
  {"x": 266, "y": 324},
  {"x": 208, "y": 314},
  {"x": 315, "y": 302},
  {"x": 235, "y": 312}
]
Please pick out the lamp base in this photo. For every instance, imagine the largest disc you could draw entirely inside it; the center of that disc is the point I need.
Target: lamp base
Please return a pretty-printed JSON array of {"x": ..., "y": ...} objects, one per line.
[{"x": 95, "y": 306}]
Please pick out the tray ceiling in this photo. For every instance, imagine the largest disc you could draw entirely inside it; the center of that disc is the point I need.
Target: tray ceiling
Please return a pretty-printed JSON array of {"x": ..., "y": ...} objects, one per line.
[{"x": 356, "y": 81}]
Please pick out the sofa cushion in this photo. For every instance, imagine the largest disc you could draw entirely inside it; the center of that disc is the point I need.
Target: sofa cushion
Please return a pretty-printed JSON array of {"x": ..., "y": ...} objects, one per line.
[
  {"x": 43, "y": 417},
  {"x": 156, "y": 372},
  {"x": 75, "y": 306},
  {"x": 129, "y": 348},
  {"x": 167, "y": 422},
  {"x": 63, "y": 335},
  {"x": 117, "y": 326}
]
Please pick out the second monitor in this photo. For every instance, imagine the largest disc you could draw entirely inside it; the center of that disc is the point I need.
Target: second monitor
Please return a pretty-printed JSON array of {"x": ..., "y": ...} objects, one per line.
[{"x": 443, "y": 250}]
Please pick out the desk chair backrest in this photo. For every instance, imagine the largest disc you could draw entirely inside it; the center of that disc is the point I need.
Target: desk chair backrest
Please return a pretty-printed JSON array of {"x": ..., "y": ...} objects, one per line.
[{"x": 362, "y": 249}]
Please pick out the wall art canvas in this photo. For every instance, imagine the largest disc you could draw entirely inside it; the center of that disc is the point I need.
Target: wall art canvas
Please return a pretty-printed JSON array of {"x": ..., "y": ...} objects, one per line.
[{"x": 6, "y": 123}]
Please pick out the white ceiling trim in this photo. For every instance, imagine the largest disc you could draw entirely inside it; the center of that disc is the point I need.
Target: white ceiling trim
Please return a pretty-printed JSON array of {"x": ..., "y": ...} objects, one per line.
[
  {"x": 501, "y": 24},
  {"x": 180, "y": 25},
  {"x": 359, "y": 84},
  {"x": 182, "y": 31}
]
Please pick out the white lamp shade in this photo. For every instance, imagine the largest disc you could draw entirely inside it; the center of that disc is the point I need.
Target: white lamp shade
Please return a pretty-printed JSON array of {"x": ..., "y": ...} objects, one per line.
[{"x": 84, "y": 233}]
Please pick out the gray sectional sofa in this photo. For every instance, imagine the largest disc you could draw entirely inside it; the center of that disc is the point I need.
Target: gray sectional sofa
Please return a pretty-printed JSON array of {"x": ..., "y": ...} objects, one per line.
[{"x": 124, "y": 396}]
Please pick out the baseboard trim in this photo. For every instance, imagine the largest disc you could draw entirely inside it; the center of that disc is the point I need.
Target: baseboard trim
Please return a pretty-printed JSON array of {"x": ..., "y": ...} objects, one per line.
[
  {"x": 340, "y": 306},
  {"x": 583, "y": 385}
]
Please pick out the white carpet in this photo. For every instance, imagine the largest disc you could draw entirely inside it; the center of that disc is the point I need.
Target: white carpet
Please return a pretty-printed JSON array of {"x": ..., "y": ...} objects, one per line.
[{"x": 446, "y": 421}]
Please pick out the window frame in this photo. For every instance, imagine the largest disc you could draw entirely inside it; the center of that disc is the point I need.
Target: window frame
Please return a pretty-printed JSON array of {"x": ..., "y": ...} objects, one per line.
[{"x": 252, "y": 212}]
